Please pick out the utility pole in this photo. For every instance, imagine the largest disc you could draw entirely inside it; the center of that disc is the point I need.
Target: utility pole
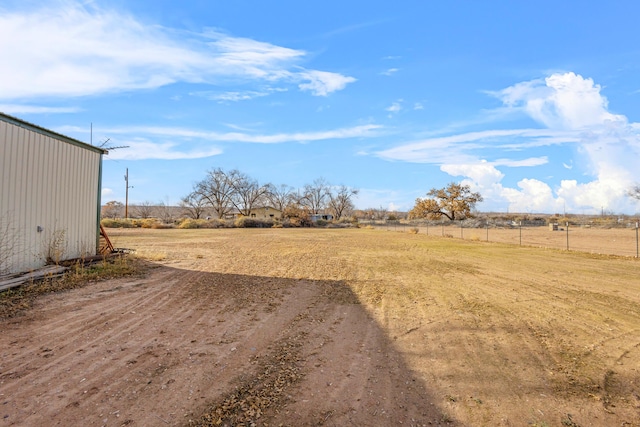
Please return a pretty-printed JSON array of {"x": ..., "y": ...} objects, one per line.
[{"x": 126, "y": 200}]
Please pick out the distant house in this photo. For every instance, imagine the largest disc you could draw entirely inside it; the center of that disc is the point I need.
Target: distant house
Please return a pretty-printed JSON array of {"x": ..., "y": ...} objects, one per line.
[
  {"x": 262, "y": 213},
  {"x": 325, "y": 217},
  {"x": 49, "y": 196}
]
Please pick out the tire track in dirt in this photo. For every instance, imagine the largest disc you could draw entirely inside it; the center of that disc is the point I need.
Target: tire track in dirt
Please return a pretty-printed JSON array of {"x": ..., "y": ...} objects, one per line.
[
  {"x": 56, "y": 335},
  {"x": 67, "y": 347},
  {"x": 148, "y": 353}
]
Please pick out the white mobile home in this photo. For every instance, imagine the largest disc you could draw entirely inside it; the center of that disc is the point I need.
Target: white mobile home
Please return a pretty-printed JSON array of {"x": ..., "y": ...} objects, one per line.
[{"x": 50, "y": 188}]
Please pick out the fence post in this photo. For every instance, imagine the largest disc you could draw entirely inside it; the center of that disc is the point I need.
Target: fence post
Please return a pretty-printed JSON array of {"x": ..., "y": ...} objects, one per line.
[
  {"x": 461, "y": 235},
  {"x": 520, "y": 233},
  {"x": 637, "y": 239},
  {"x": 427, "y": 227},
  {"x": 567, "y": 223},
  {"x": 487, "y": 230}
]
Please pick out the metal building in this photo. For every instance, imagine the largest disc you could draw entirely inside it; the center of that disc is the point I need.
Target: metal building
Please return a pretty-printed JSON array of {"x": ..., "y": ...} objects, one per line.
[{"x": 50, "y": 188}]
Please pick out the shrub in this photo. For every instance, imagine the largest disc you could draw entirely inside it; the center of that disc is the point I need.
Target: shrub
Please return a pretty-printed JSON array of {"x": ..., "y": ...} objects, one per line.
[
  {"x": 117, "y": 223},
  {"x": 241, "y": 222},
  {"x": 414, "y": 230},
  {"x": 193, "y": 223},
  {"x": 161, "y": 226},
  {"x": 244, "y": 222},
  {"x": 147, "y": 223}
]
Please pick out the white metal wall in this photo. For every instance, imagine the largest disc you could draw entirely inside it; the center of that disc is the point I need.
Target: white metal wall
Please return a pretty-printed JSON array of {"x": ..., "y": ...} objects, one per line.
[{"x": 49, "y": 197}]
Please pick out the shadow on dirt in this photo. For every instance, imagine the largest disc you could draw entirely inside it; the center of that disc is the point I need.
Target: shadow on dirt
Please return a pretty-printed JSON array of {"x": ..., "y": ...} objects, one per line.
[
  {"x": 313, "y": 356},
  {"x": 185, "y": 347}
]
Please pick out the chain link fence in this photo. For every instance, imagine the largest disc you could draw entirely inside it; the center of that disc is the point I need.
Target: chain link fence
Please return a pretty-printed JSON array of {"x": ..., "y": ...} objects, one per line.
[{"x": 620, "y": 239}]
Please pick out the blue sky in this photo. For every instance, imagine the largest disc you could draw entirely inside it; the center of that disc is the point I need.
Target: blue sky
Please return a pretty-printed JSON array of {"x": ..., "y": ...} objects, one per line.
[{"x": 533, "y": 104}]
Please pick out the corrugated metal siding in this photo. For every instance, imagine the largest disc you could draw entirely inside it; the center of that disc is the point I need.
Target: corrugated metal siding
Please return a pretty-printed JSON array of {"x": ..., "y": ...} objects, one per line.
[{"x": 47, "y": 183}]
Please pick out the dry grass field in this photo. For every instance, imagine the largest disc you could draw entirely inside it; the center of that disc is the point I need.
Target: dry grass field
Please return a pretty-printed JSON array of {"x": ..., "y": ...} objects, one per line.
[
  {"x": 331, "y": 327},
  {"x": 608, "y": 241}
]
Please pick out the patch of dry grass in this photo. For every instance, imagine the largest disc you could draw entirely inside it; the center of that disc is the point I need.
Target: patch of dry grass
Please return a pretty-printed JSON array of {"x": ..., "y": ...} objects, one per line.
[{"x": 15, "y": 300}]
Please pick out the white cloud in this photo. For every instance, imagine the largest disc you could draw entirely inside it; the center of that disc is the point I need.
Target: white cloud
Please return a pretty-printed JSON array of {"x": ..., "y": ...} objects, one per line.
[
  {"x": 35, "y": 109},
  {"x": 571, "y": 110},
  {"x": 483, "y": 174},
  {"x": 67, "y": 48},
  {"x": 461, "y": 148},
  {"x": 561, "y": 101},
  {"x": 141, "y": 149},
  {"x": 391, "y": 200},
  {"x": 155, "y": 142},
  {"x": 395, "y": 107},
  {"x": 533, "y": 196},
  {"x": 236, "y": 96},
  {"x": 106, "y": 192},
  {"x": 322, "y": 83},
  {"x": 390, "y": 71},
  {"x": 418, "y": 106},
  {"x": 341, "y": 133}
]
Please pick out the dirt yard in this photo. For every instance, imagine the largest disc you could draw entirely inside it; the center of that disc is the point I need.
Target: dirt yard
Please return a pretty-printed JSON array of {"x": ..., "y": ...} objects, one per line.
[{"x": 349, "y": 327}]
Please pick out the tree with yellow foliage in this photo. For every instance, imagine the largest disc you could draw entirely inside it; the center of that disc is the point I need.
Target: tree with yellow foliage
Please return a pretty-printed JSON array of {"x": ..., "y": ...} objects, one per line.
[{"x": 455, "y": 201}]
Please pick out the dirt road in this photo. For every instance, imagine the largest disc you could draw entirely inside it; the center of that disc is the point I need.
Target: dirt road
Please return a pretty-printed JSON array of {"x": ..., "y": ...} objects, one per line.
[{"x": 163, "y": 349}]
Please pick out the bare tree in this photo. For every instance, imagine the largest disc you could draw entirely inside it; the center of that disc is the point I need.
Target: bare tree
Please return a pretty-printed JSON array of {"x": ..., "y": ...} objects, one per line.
[
  {"x": 112, "y": 209},
  {"x": 340, "y": 200},
  {"x": 315, "y": 195},
  {"x": 247, "y": 194},
  {"x": 280, "y": 196},
  {"x": 634, "y": 192},
  {"x": 375, "y": 214},
  {"x": 193, "y": 205},
  {"x": 165, "y": 212},
  {"x": 216, "y": 190},
  {"x": 144, "y": 210}
]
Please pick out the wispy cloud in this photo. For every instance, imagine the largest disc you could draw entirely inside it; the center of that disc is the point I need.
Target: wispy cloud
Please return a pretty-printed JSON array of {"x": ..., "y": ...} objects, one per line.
[
  {"x": 142, "y": 149},
  {"x": 463, "y": 146},
  {"x": 236, "y": 96},
  {"x": 390, "y": 71},
  {"x": 351, "y": 132},
  {"x": 67, "y": 49},
  {"x": 352, "y": 27},
  {"x": 153, "y": 142},
  {"x": 35, "y": 109}
]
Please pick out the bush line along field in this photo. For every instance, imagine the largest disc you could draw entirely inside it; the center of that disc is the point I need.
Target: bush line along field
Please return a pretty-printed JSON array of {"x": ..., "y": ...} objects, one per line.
[{"x": 497, "y": 332}]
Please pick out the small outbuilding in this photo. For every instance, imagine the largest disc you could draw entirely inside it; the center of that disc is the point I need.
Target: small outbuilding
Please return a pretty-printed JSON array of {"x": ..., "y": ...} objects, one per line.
[{"x": 50, "y": 187}]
